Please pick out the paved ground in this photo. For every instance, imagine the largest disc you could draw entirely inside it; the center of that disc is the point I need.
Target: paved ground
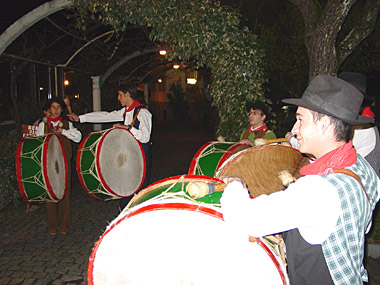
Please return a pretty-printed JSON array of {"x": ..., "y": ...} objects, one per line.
[{"x": 28, "y": 255}]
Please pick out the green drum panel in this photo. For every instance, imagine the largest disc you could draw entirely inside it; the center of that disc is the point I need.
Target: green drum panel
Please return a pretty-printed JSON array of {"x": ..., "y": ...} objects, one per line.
[
  {"x": 208, "y": 162},
  {"x": 31, "y": 169},
  {"x": 213, "y": 198},
  {"x": 89, "y": 174}
]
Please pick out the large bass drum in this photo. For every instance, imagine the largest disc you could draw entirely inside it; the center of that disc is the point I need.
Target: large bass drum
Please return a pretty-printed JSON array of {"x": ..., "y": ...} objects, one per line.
[
  {"x": 41, "y": 169},
  {"x": 165, "y": 237},
  {"x": 211, "y": 156},
  {"x": 111, "y": 164},
  {"x": 260, "y": 167}
]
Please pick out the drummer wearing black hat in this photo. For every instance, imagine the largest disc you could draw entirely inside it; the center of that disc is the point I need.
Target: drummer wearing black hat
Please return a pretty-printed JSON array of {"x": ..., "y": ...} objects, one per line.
[
  {"x": 325, "y": 214},
  {"x": 257, "y": 115}
]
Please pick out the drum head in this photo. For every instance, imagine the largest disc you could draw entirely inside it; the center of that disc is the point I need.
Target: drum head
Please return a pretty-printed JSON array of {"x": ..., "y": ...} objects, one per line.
[
  {"x": 260, "y": 166},
  {"x": 56, "y": 168},
  {"x": 178, "y": 246},
  {"x": 121, "y": 162}
]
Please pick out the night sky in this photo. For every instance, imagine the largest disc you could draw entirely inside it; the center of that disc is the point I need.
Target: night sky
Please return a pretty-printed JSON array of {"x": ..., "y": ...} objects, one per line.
[{"x": 11, "y": 10}]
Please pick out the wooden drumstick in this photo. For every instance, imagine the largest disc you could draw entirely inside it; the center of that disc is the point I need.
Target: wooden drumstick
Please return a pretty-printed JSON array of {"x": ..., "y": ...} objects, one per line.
[
  {"x": 67, "y": 102},
  {"x": 260, "y": 141},
  {"x": 200, "y": 189}
]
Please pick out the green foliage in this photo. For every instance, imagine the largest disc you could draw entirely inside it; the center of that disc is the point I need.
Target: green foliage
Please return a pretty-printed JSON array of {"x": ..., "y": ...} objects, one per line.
[
  {"x": 374, "y": 234},
  {"x": 8, "y": 180},
  {"x": 202, "y": 31}
]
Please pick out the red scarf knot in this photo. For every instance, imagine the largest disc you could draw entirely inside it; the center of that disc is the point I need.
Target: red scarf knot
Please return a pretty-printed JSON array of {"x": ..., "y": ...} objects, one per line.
[
  {"x": 51, "y": 120},
  {"x": 134, "y": 104},
  {"x": 253, "y": 130},
  {"x": 338, "y": 158}
]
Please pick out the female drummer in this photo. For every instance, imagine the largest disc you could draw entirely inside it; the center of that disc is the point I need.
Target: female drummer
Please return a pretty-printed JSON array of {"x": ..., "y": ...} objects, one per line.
[{"x": 58, "y": 214}]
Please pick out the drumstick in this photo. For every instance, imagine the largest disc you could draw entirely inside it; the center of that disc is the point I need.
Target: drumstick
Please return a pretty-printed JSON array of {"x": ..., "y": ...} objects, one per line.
[
  {"x": 200, "y": 189},
  {"x": 67, "y": 102},
  {"x": 260, "y": 141}
]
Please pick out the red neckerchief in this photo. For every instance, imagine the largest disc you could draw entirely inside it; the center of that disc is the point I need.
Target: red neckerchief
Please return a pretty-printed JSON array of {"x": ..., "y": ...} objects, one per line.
[
  {"x": 134, "y": 104},
  {"x": 338, "y": 158},
  {"x": 262, "y": 127},
  {"x": 50, "y": 120}
]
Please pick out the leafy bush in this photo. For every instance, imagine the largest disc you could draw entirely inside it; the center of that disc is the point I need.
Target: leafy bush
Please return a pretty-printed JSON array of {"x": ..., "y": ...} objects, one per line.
[{"x": 8, "y": 180}]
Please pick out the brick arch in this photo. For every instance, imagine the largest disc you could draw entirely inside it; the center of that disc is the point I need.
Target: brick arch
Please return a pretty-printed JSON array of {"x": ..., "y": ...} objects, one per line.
[{"x": 28, "y": 20}]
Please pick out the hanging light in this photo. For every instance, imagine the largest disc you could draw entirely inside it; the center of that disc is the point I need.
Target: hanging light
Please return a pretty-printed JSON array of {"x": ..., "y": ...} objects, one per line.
[
  {"x": 159, "y": 80},
  {"x": 191, "y": 77},
  {"x": 162, "y": 52},
  {"x": 175, "y": 66}
]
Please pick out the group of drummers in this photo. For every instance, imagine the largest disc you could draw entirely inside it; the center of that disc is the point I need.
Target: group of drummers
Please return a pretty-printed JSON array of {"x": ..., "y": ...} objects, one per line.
[{"x": 323, "y": 215}]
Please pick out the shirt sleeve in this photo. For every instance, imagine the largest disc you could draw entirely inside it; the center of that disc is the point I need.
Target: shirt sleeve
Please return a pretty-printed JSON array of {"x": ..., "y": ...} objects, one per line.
[
  {"x": 145, "y": 128},
  {"x": 364, "y": 140},
  {"x": 72, "y": 133},
  {"x": 102, "y": 117},
  {"x": 41, "y": 129},
  {"x": 311, "y": 204}
]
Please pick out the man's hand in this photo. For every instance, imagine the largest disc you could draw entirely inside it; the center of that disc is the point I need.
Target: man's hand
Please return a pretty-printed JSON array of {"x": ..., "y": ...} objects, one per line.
[
  {"x": 247, "y": 142},
  {"x": 229, "y": 178},
  {"x": 73, "y": 117},
  {"x": 118, "y": 125}
]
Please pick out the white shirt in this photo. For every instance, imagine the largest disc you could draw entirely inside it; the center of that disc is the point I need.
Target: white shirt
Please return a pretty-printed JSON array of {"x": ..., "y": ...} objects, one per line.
[
  {"x": 364, "y": 140},
  {"x": 72, "y": 133},
  {"x": 145, "y": 118},
  {"x": 311, "y": 204}
]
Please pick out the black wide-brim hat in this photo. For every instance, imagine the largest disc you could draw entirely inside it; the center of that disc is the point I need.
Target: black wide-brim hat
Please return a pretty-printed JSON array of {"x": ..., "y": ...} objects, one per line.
[{"x": 334, "y": 97}]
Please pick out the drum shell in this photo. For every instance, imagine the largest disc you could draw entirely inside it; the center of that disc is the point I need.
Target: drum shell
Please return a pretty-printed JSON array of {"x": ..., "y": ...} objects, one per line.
[
  {"x": 175, "y": 220},
  {"x": 211, "y": 156},
  {"x": 38, "y": 160},
  {"x": 91, "y": 171}
]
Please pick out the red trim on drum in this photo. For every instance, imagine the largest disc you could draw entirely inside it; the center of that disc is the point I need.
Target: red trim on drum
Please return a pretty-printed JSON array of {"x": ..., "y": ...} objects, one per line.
[
  {"x": 196, "y": 156},
  {"x": 226, "y": 155},
  {"x": 66, "y": 167},
  {"x": 80, "y": 176},
  {"x": 44, "y": 168},
  {"x": 105, "y": 185},
  {"x": 186, "y": 176},
  {"x": 274, "y": 259},
  {"x": 178, "y": 206},
  {"x": 149, "y": 208},
  {"x": 19, "y": 172}
]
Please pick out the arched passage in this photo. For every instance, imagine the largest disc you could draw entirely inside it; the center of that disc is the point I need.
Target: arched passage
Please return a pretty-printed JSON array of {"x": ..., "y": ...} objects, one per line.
[{"x": 25, "y": 22}]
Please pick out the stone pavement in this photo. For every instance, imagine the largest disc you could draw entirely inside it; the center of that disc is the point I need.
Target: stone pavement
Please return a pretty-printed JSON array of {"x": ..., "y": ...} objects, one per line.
[{"x": 29, "y": 255}]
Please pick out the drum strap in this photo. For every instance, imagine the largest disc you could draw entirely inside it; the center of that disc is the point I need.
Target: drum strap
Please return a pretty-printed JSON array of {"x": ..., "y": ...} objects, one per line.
[
  {"x": 354, "y": 175},
  {"x": 135, "y": 117}
]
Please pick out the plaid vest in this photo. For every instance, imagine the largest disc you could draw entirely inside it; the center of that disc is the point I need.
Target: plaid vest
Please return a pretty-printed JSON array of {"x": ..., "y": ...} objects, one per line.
[{"x": 344, "y": 248}]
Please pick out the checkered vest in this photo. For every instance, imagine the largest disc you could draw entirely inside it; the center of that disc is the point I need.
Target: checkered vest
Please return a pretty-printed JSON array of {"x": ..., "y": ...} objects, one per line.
[{"x": 344, "y": 248}]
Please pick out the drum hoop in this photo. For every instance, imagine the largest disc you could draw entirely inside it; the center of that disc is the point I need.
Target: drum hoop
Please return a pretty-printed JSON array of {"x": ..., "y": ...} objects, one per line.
[
  {"x": 227, "y": 155},
  {"x": 186, "y": 178},
  {"x": 105, "y": 185},
  {"x": 194, "y": 161},
  {"x": 176, "y": 206},
  {"x": 79, "y": 172},
  {"x": 21, "y": 187},
  {"x": 272, "y": 257},
  {"x": 44, "y": 163},
  {"x": 146, "y": 209}
]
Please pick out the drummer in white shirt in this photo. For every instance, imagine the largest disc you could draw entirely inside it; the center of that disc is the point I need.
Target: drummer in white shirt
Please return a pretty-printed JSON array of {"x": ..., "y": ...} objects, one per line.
[
  {"x": 141, "y": 129},
  {"x": 58, "y": 214}
]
